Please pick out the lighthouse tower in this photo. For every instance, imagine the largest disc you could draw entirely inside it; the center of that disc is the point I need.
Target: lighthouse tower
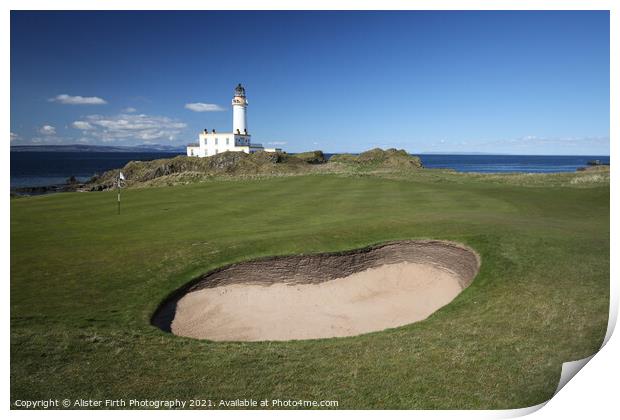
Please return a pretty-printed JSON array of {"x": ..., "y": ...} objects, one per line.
[
  {"x": 212, "y": 142},
  {"x": 239, "y": 104}
]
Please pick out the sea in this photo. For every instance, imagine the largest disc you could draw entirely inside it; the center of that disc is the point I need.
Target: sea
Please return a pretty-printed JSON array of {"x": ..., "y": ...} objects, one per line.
[
  {"x": 30, "y": 169},
  {"x": 34, "y": 169},
  {"x": 510, "y": 163}
]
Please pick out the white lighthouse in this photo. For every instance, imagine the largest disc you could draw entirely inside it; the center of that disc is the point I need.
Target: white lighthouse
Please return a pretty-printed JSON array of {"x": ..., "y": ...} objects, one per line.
[
  {"x": 212, "y": 143},
  {"x": 239, "y": 104}
]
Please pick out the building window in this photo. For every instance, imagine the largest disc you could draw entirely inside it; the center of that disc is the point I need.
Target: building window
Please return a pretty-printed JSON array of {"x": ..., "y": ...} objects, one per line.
[
  {"x": 226, "y": 140},
  {"x": 216, "y": 151},
  {"x": 216, "y": 140}
]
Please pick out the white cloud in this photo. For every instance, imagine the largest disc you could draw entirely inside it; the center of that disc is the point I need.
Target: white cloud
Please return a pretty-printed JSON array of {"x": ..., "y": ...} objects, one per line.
[
  {"x": 202, "y": 107},
  {"x": 14, "y": 136},
  {"x": 130, "y": 128},
  {"x": 47, "y": 130},
  {"x": 277, "y": 143},
  {"x": 82, "y": 125},
  {"x": 130, "y": 110},
  {"x": 78, "y": 100}
]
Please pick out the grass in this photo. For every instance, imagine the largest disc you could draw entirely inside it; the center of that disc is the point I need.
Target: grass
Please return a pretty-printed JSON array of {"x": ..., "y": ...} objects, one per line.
[{"x": 85, "y": 281}]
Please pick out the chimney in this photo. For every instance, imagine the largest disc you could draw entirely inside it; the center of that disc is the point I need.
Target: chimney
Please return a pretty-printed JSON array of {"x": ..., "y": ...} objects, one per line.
[{"x": 214, "y": 131}]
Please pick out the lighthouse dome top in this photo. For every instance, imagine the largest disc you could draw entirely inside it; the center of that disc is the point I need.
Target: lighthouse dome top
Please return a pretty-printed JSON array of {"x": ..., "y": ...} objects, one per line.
[{"x": 240, "y": 90}]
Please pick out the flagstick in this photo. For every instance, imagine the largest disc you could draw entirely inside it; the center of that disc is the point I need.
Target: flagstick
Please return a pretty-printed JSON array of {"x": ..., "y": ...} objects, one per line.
[{"x": 119, "y": 194}]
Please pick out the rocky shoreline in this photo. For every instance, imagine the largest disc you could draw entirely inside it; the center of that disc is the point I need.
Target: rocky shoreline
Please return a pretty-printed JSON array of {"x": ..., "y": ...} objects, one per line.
[{"x": 71, "y": 185}]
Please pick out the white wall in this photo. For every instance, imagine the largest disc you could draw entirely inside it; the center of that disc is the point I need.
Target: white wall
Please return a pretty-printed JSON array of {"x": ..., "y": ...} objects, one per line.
[
  {"x": 236, "y": 143},
  {"x": 193, "y": 151},
  {"x": 225, "y": 142},
  {"x": 239, "y": 118}
]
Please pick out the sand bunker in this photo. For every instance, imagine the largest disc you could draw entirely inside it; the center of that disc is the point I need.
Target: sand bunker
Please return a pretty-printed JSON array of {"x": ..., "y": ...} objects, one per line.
[{"x": 323, "y": 295}]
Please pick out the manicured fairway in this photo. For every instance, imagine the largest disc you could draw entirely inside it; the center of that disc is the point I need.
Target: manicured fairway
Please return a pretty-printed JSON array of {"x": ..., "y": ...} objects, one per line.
[{"x": 85, "y": 281}]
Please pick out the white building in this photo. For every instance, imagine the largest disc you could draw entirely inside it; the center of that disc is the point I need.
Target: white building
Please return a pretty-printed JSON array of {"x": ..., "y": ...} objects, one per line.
[{"x": 239, "y": 140}]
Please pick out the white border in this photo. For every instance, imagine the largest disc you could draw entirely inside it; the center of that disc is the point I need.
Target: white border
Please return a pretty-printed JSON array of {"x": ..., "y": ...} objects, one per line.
[{"x": 591, "y": 394}]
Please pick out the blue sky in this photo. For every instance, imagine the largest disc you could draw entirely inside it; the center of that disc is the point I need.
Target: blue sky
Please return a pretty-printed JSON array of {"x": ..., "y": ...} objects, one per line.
[{"x": 529, "y": 82}]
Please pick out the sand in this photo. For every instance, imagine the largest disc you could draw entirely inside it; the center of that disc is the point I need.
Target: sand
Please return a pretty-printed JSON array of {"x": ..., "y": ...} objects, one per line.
[{"x": 374, "y": 299}]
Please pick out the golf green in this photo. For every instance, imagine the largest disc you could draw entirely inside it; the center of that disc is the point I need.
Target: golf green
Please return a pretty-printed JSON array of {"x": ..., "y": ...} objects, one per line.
[{"x": 86, "y": 281}]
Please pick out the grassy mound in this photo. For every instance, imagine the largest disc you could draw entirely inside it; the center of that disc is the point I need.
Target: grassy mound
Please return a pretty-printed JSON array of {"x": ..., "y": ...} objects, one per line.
[
  {"x": 184, "y": 168},
  {"x": 315, "y": 157},
  {"x": 379, "y": 159}
]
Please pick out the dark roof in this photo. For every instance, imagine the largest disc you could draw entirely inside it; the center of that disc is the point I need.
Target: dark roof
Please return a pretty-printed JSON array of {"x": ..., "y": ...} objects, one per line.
[
  {"x": 193, "y": 145},
  {"x": 240, "y": 90}
]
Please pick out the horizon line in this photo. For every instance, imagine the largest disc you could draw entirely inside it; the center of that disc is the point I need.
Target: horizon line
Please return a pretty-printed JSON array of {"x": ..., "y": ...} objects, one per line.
[{"x": 472, "y": 153}]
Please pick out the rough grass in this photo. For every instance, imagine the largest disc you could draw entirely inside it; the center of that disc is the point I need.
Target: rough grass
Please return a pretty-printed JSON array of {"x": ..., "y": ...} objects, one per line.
[
  {"x": 85, "y": 281},
  {"x": 314, "y": 157},
  {"x": 599, "y": 177},
  {"x": 184, "y": 169},
  {"x": 139, "y": 173}
]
